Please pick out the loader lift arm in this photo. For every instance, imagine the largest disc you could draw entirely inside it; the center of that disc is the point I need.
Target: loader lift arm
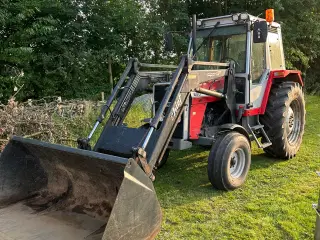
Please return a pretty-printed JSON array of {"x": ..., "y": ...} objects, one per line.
[{"x": 148, "y": 145}]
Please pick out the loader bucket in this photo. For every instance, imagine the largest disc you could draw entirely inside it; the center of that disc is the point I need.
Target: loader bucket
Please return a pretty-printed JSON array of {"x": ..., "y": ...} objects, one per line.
[{"x": 50, "y": 191}]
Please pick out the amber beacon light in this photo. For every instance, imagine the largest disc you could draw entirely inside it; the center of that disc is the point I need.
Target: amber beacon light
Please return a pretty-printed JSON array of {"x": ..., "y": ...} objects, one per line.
[{"x": 270, "y": 15}]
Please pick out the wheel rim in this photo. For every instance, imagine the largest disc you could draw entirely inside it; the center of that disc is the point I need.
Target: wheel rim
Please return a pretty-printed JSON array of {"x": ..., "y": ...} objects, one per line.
[
  {"x": 293, "y": 122},
  {"x": 237, "y": 163}
]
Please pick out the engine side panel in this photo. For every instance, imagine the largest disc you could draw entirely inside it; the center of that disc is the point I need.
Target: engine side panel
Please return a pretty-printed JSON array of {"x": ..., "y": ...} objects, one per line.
[{"x": 198, "y": 106}]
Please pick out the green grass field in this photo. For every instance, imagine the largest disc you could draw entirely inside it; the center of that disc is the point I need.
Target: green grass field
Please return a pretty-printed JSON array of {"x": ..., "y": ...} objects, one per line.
[{"x": 274, "y": 203}]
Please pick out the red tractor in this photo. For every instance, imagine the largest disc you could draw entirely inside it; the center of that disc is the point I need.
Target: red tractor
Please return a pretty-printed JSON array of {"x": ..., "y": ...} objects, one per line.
[
  {"x": 231, "y": 88},
  {"x": 262, "y": 100}
]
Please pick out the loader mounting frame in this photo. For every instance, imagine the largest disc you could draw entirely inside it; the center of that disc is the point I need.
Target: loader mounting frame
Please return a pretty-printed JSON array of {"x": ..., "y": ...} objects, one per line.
[{"x": 185, "y": 79}]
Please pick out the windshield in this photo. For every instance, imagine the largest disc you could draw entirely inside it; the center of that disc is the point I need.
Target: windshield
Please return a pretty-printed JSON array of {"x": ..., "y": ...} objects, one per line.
[{"x": 223, "y": 45}]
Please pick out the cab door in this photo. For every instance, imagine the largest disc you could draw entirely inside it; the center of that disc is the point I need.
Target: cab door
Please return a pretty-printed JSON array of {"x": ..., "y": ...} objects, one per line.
[{"x": 265, "y": 57}]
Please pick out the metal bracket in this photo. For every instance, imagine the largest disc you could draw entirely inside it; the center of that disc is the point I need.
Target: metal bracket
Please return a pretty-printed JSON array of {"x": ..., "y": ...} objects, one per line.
[
  {"x": 231, "y": 89},
  {"x": 83, "y": 143},
  {"x": 240, "y": 114},
  {"x": 249, "y": 105},
  {"x": 142, "y": 158},
  {"x": 315, "y": 207}
]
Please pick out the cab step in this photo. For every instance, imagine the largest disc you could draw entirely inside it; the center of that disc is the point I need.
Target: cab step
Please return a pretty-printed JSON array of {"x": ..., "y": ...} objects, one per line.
[{"x": 259, "y": 127}]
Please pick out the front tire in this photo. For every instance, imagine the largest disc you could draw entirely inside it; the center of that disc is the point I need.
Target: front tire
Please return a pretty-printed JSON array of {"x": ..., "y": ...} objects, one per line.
[
  {"x": 229, "y": 161},
  {"x": 284, "y": 119}
]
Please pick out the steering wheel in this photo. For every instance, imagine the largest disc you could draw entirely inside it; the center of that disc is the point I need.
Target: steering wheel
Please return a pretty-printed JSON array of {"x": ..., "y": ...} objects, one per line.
[{"x": 228, "y": 59}]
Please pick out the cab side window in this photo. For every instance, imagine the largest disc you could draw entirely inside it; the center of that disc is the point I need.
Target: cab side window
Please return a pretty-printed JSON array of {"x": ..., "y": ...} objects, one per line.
[
  {"x": 258, "y": 61},
  {"x": 275, "y": 51}
]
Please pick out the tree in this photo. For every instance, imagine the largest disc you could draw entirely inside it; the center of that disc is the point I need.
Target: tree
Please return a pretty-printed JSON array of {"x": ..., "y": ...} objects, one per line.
[
  {"x": 300, "y": 22},
  {"x": 62, "y": 47}
]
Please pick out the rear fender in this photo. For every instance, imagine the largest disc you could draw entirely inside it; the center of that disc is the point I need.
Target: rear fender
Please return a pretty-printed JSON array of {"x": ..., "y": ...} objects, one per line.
[
  {"x": 279, "y": 76},
  {"x": 287, "y": 76},
  {"x": 274, "y": 76}
]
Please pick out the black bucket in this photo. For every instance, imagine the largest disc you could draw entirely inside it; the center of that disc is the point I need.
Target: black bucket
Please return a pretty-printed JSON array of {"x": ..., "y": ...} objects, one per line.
[{"x": 50, "y": 191}]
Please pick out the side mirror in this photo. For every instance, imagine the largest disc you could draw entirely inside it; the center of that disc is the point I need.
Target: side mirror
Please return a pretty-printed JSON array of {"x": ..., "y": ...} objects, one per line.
[
  {"x": 260, "y": 32},
  {"x": 168, "y": 42}
]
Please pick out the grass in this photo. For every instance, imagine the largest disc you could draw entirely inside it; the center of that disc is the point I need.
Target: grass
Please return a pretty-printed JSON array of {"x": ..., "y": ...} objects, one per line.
[
  {"x": 274, "y": 203},
  {"x": 81, "y": 126}
]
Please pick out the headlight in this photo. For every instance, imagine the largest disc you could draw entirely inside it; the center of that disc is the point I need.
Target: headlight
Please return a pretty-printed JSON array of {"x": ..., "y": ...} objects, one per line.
[
  {"x": 235, "y": 17},
  {"x": 244, "y": 16}
]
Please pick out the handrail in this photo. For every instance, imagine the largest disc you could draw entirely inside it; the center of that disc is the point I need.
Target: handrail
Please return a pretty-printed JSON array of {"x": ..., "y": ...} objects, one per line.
[
  {"x": 211, "y": 64},
  {"x": 157, "y": 65}
]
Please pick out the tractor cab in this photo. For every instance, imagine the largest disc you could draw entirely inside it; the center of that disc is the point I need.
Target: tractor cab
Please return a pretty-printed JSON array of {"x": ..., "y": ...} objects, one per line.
[
  {"x": 223, "y": 44},
  {"x": 253, "y": 44}
]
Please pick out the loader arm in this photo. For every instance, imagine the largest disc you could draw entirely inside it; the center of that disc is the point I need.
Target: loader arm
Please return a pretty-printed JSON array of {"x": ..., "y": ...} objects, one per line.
[
  {"x": 136, "y": 82},
  {"x": 149, "y": 145},
  {"x": 184, "y": 81},
  {"x": 181, "y": 94}
]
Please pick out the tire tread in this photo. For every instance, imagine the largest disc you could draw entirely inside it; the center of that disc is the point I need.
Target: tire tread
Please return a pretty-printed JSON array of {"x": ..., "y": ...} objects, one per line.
[{"x": 274, "y": 118}]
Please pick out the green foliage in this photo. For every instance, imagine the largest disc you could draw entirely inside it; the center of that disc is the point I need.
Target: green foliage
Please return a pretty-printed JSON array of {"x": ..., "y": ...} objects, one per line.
[
  {"x": 312, "y": 77},
  {"x": 62, "y": 47},
  {"x": 135, "y": 116},
  {"x": 80, "y": 126}
]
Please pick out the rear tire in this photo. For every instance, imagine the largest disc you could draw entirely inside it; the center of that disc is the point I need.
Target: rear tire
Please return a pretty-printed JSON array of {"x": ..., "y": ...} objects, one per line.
[
  {"x": 229, "y": 161},
  {"x": 284, "y": 119}
]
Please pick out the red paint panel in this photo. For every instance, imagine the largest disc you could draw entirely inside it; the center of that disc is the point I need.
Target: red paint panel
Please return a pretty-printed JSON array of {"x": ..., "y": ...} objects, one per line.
[
  {"x": 214, "y": 85},
  {"x": 251, "y": 112},
  {"x": 198, "y": 104},
  {"x": 266, "y": 93},
  {"x": 198, "y": 107},
  {"x": 202, "y": 100},
  {"x": 291, "y": 75},
  {"x": 196, "y": 117}
]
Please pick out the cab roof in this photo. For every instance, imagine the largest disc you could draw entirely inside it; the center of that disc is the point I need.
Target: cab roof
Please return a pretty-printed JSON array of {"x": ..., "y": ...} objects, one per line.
[{"x": 227, "y": 20}]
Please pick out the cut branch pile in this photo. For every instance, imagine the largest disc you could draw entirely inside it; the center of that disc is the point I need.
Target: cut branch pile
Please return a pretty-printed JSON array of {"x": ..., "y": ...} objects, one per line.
[{"x": 48, "y": 119}]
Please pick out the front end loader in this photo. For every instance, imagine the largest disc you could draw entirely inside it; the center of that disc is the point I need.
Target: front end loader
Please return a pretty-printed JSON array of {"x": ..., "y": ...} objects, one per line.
[{"x": 232, "y": 76}]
